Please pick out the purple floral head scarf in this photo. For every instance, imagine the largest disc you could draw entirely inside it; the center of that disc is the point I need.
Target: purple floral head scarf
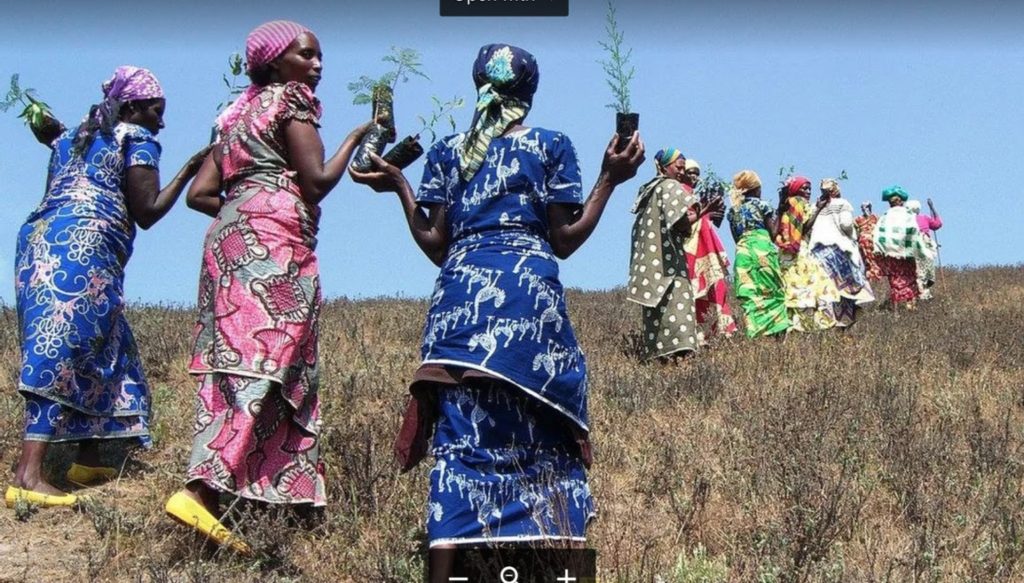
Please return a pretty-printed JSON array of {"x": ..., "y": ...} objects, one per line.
[
  {"x": 127, "y": 84},
  {"x": 132, "y": 83}
]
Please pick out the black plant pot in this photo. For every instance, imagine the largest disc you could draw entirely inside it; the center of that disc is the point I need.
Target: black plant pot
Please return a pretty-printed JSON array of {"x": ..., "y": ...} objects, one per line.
[
  {"x": 405, "y": 152},
  {"x": 372, "y": 143},
  {"x": 625, "y": 125},
  {"x": 50, "y": 128},
  {"x": 383, "y": 130}
]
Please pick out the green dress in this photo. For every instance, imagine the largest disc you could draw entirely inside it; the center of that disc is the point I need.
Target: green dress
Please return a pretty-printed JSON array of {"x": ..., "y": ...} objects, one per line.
[
  {"x": 758, "y": 280},
  {"x": 658, "y": 279}
]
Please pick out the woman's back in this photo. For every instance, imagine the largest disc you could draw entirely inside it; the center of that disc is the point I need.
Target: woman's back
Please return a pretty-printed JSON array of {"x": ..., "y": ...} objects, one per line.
[
  {"x": 252, "y": 145},
  {"x": 90, "y": 186},
  {"x": 834, "y": 226},
  {"x": 751, "y": 215},
  {"x": 522, "y": 173}
]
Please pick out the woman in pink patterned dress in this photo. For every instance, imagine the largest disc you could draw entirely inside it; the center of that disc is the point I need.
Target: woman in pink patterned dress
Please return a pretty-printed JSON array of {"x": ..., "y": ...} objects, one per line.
[{"x": 255, "y": 355}]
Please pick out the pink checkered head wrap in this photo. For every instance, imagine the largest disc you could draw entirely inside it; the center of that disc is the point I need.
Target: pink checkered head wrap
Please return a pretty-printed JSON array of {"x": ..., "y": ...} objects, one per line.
[
  {"x": 267, "y": 41},
  {"x": 132, "y": 83}
]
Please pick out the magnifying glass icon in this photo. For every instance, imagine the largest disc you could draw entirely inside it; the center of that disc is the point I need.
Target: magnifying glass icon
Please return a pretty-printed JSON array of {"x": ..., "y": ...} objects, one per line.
[{"x": 509, "y": 575}]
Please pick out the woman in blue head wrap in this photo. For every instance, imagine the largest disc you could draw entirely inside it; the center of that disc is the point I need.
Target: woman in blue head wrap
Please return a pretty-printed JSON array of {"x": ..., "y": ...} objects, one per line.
[{"x": 502, "y": 385}]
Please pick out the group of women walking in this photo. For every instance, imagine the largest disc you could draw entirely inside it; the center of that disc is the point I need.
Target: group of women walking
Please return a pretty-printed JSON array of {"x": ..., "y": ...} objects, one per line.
[
  {"x": 500, "y": 399},
  {"x": 799, "y": 266}
]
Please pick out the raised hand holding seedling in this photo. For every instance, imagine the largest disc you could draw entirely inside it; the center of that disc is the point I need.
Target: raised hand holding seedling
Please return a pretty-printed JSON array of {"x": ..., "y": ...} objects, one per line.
[
  {"x": 621, "y": 162},
  {"x": 380, "y": 92},
  {"x": 37, "y": 114},
  {"x": 618, "y": 74}
]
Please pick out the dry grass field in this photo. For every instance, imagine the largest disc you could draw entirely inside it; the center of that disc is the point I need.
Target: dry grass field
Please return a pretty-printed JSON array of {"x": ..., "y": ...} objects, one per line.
[{"x": 892, "y": 452}]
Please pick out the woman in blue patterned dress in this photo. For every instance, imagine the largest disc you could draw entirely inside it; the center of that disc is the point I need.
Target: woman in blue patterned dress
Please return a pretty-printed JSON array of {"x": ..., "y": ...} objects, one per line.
[
  {"x": 503, "y": 381},
  {"x": 81, "y": 375}
]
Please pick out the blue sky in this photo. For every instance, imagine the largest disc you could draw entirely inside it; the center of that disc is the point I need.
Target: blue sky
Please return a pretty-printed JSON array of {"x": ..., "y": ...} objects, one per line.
[{"x": 923, "y": 94}]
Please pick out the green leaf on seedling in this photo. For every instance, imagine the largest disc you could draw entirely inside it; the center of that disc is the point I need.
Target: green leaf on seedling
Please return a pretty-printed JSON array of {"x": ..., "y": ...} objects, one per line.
[
  {"x": 442, "y": 110},
  {"x": 405, "y": 62},
  {"x": 617, "y": 69},
  {"x": 35, "y": 111},
  {"x": 13, "y": 94},
  {"x": 235, "y": 64},
  {"x": 231, "y": 79}
]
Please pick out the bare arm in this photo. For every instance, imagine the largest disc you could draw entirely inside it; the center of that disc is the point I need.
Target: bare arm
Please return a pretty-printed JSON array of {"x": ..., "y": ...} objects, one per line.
[
  {"x": 204, "y": 194},
  {"x": 147, "y": 202},
  {"x": 773, "y": 227},
  {"x": 715, "y": 210},
  {"x": 568, "y": 226},
  {"x": 698, "y": 211},
  {"x": 316, "y": 177},
  {"x": 428, "y": 227}
]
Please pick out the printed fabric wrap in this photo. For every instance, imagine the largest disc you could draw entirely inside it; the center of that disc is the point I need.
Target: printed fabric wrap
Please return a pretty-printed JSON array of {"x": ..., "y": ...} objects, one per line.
[
  {"x": 902, "y": 275},
  {"x": 847, "y": 276},
  {"x": 498, "y": 305},
  {"x": 506, "y": 470},
  {"x": 834, "y": 244},
  {"x": 758, "y": 278},
  {"x": 834, "y": 225},
  {"x": 659, "y": 257},
  {"x": 708, "y": 267},
  {"x": 926, "y": 266},
  {"x": 865, "y": 241},
  {"x": 897, "y": 235},
  {"x": 259, "y": 303},
  {"x": 706, "y": 260},
  {"x": 810, "y": 292},
  {"x": 791, "y": 225},
  {"x": 508, "y": 464},
  {"x": 658, "y": 277},
  {"x": 751, "y": 214},
  {"x": 81, "y": 373}
]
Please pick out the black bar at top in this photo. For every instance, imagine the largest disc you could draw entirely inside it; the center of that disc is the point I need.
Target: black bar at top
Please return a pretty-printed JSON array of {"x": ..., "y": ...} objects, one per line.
[{"x": 504, "y": 7}]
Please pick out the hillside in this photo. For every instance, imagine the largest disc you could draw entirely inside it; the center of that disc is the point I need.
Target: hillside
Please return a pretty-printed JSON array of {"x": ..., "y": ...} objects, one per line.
[{"x": 892, "y": 452}]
